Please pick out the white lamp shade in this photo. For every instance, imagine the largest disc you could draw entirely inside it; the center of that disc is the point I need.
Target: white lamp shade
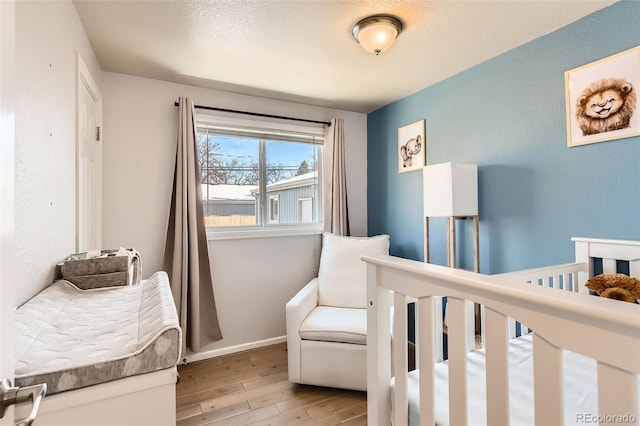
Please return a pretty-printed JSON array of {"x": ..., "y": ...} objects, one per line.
[
  {"x": 377, "y": 37},
  {"x": 377, "y": 33},
  {"x": 450, "y": 190}
]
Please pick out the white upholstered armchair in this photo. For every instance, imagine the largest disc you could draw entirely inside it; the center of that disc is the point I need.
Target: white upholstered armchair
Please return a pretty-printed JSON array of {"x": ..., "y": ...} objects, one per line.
[{"x": 327, "y": 319}]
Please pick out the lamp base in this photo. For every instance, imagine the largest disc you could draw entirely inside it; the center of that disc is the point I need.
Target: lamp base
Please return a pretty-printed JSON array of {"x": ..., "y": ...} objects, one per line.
[
  {"x": 451, "y": 240},
  {"x": 473, "y": 309}
]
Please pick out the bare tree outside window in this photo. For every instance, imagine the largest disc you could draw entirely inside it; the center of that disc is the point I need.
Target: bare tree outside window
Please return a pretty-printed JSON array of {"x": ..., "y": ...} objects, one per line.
[{"x": 304, "y": 168}]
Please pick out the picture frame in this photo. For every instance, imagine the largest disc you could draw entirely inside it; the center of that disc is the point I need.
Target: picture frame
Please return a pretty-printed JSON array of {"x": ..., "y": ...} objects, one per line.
[
  {"x": 602, "y": 99},
  {"x": 411, "y": 148}
]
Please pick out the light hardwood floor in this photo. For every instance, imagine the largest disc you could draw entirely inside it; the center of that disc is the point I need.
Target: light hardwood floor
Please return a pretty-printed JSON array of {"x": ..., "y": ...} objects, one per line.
[{"x": 252, "y": 388}]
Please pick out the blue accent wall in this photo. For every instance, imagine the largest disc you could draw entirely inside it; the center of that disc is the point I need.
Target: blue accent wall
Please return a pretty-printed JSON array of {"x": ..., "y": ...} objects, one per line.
[{"x": 508, "y": 116}]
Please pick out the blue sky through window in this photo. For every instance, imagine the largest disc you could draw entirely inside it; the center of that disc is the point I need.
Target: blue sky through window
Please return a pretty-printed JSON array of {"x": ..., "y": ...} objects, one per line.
[{"x": 245, "y": 150}]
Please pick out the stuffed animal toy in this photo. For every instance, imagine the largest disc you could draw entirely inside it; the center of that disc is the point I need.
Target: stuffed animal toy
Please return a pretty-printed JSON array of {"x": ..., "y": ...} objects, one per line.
[{"x": 615, "y": 286}]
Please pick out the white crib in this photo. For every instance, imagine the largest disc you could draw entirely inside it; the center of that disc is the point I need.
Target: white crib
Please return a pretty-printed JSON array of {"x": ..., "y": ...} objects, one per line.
[{"x": 607, "y": 331}]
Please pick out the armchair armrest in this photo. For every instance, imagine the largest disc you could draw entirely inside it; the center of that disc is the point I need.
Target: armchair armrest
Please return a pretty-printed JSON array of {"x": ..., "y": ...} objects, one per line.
[
  {"x": 297, "y": 309},
  {"x": 303, "y": 302}
]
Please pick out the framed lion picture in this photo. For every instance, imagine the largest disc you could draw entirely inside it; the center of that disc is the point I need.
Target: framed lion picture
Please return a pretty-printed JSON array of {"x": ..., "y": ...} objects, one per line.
[
  {"x": 411, "y": 147},
  {"x": 602, "y": 99}
]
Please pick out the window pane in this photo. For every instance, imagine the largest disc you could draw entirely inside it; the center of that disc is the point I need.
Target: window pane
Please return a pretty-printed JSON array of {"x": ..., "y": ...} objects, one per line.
[
  {"x": 292, "y": 175},
  {"x": 230, "y": 179},
  {"x": 236, "y": 168}
]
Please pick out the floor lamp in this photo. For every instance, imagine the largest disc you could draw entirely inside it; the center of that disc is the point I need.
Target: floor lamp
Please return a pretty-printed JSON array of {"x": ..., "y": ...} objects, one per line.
[{"x": 451, "y": 191}]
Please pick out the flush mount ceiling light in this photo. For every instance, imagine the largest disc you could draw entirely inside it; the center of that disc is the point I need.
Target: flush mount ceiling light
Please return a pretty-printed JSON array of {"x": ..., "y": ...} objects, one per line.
[{"x": 377, "y": 33}]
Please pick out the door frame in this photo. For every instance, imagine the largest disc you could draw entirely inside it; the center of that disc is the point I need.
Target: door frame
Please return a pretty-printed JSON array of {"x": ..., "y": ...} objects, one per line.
[{"x": 7, "y": 193}]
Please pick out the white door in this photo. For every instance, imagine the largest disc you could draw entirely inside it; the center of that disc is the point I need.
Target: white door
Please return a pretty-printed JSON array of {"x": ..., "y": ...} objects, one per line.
[
  {"x": 89, "y": 162},
  {"x": 7, "y": 144}
]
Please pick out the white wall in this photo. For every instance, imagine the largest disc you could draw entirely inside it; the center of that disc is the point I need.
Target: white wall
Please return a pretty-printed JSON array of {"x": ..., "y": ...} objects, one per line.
[
  {"x": 253, "y": 278},
  {"x": 48, "y": 34}
]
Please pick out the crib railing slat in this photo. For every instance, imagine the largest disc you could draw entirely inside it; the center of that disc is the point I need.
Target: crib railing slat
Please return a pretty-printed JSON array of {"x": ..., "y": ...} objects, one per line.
[
  {"x": 617, "y": 392},
  {"x": 575, "y": 282},
  {"x": 609, "y": 266},
  {"x": 497, "y": 365},
  {"x": 438, "y": 329},
  {"x": 379, "y": 359},
  {"x": 400, "y": 361},
  {"x": 512, "y": 328},
  {"x": 471, "y": 327},
  {"x": 457, "y": 338},
  {"x": 634, "y": 268},
  {"x": 427, "y": 356},
  {"x": 565, "y": 282},
  {"x": 547, "y": 382},
  {"x": 483, "y": 327}
]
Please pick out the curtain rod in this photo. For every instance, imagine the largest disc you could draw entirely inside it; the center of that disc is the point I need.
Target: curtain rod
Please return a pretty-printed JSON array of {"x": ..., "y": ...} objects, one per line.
[{"x": 257, "y": 114}]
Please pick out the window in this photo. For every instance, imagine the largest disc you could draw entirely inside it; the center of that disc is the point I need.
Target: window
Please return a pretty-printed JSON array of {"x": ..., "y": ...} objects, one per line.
[{"x": 241, "y": 159}]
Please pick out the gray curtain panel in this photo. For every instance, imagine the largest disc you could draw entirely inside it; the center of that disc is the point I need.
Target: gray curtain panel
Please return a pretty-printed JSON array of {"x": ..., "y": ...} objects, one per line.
[
  {"x": 186, "y": 255},
  {"x": 334, "y": 188}
]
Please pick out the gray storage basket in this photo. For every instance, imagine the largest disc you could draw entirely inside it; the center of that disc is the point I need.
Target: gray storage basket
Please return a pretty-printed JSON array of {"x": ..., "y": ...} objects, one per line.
[{"x": 108, "y": 271}]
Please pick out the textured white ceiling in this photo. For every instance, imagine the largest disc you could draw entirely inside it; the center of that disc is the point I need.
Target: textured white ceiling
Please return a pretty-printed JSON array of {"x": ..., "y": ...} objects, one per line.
[{"x": 303, "y": 51}]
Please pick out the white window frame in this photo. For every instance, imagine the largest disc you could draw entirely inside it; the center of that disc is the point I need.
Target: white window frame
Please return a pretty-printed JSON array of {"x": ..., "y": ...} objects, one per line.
[{"x": 279, "y": 130}]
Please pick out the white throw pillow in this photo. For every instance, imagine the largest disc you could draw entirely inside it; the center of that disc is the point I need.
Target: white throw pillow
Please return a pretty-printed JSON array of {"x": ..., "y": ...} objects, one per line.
[{"x": 342, "y": 277}]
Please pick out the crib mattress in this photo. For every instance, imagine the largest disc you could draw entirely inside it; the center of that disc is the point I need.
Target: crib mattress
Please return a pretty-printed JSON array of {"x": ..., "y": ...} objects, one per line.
[
  {"x": 71, "y": 338},
  {"x": 580, "y": 387}
]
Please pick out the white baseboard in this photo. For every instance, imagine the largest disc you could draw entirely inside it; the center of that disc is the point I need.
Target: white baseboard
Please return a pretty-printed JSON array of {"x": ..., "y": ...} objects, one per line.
[{"x": 197, "y": 356}]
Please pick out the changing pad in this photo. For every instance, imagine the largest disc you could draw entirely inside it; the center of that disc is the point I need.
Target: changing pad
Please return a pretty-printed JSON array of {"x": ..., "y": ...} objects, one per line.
[{"x": 71, "y": 338}]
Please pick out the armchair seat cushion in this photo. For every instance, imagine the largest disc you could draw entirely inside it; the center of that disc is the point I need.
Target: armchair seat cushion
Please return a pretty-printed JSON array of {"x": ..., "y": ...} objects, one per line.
[{"x": 331, "y": 324}]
